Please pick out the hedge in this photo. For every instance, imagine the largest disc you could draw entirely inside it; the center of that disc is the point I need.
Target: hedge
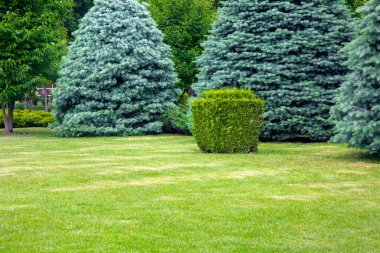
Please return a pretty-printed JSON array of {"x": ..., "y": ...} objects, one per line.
[
  {"x": 29, "y": 119},
  {"x": 227, "y": 121}
]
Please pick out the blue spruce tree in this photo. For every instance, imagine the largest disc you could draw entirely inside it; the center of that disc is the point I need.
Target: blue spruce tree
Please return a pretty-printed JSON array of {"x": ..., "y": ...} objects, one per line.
[
  {"x": 357, "y": 113},
  {"x": 286, "y": 51},
  {"x": 118, "y": 78}
]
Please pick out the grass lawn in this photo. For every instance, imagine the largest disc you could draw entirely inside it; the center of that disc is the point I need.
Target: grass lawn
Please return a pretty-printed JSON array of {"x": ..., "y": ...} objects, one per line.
[{"x": 159, "y": 193}]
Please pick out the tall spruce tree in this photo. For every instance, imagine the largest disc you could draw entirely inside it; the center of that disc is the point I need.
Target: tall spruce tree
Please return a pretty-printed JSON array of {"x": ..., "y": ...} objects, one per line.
[
  {"x": 118, "y": 77},
  {"x": 357, "y": 113},
  {"x": 286, "y": 52}
]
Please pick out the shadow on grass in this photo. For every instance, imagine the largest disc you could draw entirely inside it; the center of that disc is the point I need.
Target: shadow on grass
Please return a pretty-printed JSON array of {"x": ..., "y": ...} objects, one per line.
[
  {"x": 32, "y": 131},
  {"x": 357, "y": 156}
]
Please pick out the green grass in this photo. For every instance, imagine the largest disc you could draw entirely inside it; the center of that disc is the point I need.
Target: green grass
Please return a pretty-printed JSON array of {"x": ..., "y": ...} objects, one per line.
[{"x": 159, "y": 193}]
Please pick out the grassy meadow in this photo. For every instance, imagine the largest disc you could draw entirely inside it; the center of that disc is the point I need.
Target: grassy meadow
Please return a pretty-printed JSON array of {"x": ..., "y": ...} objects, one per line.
[{"x": 161, "y": 194}]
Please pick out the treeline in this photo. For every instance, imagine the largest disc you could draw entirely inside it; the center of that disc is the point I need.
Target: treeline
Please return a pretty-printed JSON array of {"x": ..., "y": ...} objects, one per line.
[{"x": 184, "y": 23}]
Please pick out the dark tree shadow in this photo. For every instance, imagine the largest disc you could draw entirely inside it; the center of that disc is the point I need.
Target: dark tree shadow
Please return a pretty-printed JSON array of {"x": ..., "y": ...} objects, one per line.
[{"x": 358, "y": 156}]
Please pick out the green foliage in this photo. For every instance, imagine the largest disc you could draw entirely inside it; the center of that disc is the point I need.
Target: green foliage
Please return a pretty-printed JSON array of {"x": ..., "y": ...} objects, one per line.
[
  {"x": 118, "y": 78},
  {"x": 287, "y": 53},
  {"x": 355, "y": 4},
  {"x": 79, "y": 9},
  {"x": 357, "y": 113},
  {"x": 183, "y": 100},
  {"x": 185, "y": 24},
  {"x": 227, "y": 121},
  {"x": 32, "y": 43},
  {"x": 21, "y": 106},
  {"x": 176, "y": 120},
  {"x": 24, "y": 118},
  {"x": 217, "y": 3}
]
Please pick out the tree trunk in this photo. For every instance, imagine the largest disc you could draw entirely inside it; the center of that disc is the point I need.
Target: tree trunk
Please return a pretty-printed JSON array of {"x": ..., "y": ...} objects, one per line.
[
  {"x": 46, "y": 99},
  {"x": 7, "y": 112},
  {"x": 26, "y": 103},
  {"x": 30, "y": 104},
  {"x": 179, "y": 100}
]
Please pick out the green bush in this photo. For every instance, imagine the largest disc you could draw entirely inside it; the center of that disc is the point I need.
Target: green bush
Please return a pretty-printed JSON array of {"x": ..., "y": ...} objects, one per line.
[
  {"x": 21, "y": 107},
  {"x": 176, "y": 121},
  {"x": 227, "y": 121},
  {"x": 30, "y": 119}
]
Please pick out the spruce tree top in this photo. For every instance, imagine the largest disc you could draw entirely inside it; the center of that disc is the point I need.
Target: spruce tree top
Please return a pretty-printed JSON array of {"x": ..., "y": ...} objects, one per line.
[
  {"x": 118, "y": 77},
  {"x": 363, "y": 51},
  {"x": 286, "y": 51},
  {"x": 357, "y": 113}
]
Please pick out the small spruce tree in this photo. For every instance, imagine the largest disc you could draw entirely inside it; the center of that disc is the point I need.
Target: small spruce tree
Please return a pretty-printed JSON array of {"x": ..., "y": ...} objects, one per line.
[
  {"x": 357, "y": 113},
  {"x": 286, "y": 52},
  {"x": 118, "y": 78}
]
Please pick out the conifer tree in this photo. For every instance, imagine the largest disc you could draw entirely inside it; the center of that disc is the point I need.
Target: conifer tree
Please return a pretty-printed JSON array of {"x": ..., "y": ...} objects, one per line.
[
  {"x": 357, "y": 113},
  {"x": 118, "y": 78},
  {"x": 286, "y": 52}
]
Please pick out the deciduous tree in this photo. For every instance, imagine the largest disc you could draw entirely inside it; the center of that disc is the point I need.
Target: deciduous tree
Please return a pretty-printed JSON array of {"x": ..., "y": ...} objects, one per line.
[
  {"x": 185, "y": 24},
  {"x": 32, "y": 42},
  {"x": 80, "y": 8}
]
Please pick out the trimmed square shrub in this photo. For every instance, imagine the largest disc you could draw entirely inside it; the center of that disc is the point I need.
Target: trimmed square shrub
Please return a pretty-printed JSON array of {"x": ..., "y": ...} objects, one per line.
[{"x": 227, "y": 121}]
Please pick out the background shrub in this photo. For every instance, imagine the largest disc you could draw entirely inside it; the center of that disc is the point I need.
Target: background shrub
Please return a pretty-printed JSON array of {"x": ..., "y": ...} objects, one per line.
[
  {"x": 176, "y": 119},
  {"x": 30, "y": 119},
  {"x": 227, "y": 121}
]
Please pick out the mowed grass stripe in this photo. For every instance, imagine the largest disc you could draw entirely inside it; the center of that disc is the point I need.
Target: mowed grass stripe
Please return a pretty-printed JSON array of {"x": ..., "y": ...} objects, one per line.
[{"x": 159, "y": 193}]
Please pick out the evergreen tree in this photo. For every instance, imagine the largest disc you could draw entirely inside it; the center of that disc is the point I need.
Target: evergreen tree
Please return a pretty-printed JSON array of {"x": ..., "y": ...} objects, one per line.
[
  {"x": 287, "y": 53},
  {"x": 118, "y": 77},
  {"x": 357, "y": 113},
  {"x": 352, "y": 4}
]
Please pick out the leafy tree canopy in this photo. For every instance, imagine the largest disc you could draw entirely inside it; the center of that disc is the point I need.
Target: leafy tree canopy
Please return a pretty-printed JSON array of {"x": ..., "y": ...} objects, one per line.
[
  {"x": 32, "y": 42},
  {"x": 185, "y": 24},
  {"x": 80, "y": 8}
]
